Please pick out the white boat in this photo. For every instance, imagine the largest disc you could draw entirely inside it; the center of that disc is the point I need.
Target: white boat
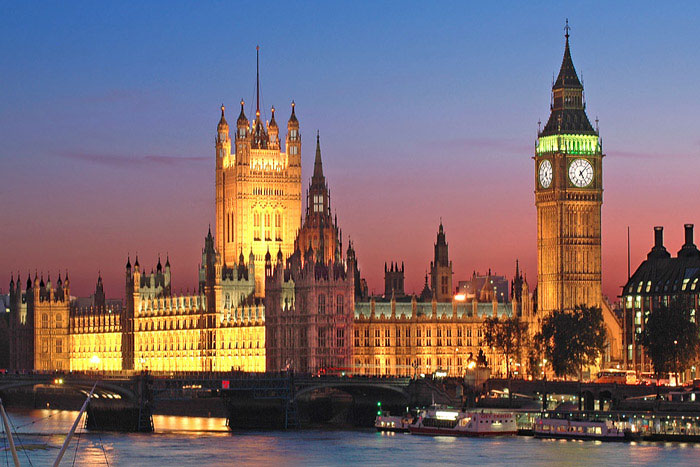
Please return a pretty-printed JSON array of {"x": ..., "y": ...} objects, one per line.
[
  {"x": 452, "y": 422},
  {"x": 396, "y": 423},
  {"x": 562, "y": 428}
]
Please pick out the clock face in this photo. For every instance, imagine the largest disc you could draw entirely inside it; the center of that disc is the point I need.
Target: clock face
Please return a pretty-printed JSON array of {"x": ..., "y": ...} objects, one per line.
[
  {"x": 581, "y": 173},
  {"x": 545, "y": 173}
]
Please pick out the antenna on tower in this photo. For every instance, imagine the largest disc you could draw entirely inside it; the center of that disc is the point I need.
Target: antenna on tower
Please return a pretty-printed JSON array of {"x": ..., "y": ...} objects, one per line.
[
  {"x": 567, "y": 28},
  {"x": 539, "y": 126},
  {"x": 628, "y": 250},
  {"x": 257, "y": 80}
]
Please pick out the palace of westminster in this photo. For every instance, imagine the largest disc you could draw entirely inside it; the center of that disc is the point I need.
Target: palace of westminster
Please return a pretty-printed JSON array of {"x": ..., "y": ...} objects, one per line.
[{"x": 279, "y": 288}]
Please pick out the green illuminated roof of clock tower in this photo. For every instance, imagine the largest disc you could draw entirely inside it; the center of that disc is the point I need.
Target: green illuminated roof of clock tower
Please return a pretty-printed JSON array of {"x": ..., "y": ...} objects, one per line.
[{"x": 568, "y": 109}]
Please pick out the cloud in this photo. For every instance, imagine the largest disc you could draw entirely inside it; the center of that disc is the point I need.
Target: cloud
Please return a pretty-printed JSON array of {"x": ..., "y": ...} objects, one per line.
[{"x": 122, "y": 161}]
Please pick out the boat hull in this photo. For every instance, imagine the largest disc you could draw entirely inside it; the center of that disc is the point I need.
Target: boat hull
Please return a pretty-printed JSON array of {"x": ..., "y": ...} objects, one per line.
[
  {"x": 579, "y": 437},
  {"x": 447, "y": 432}
]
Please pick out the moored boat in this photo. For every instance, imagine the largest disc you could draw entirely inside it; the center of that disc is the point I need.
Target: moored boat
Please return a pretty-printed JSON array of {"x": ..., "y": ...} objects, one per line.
[
  {"x": 599, "y": 430},
  {"x": 452, "y": 422},
  {"x": 396, "y": 423}
]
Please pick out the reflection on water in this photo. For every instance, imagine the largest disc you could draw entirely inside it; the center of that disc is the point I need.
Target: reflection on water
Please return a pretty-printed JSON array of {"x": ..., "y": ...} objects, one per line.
[{"x": 206, "y": 441}]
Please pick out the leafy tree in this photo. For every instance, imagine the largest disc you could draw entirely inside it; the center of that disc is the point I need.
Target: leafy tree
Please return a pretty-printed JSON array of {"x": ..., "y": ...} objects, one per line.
[
  {"x": 572, "y": 339},
  {"x": 671, "y": 336},
  {"x": 506, "y": 335}
]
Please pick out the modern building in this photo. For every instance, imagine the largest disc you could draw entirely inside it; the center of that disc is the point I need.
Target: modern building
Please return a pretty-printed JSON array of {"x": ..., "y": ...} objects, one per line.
[{"x": 660, "y": 278}]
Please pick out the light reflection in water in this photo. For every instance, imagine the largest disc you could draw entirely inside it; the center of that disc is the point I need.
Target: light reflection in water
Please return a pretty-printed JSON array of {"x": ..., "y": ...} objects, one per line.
[{"x": 206, "y": 441}]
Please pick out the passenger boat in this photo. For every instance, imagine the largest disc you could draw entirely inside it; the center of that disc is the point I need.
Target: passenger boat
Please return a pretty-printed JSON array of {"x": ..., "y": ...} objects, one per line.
[
  {"x": 395, "y": 423},
  {"x": 452, "y": 422},
  {"x": 600, "y": 430}
]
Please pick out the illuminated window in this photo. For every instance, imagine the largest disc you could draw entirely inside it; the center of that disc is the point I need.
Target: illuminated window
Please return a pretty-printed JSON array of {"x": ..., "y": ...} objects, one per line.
[
  {"x": 268, "y": 236},
  {"x": 318, "y": 203},
  {"x": 278, "y": 226},
  {"x": 293, "y": 134},
  {"x": 256, "y": 225}
]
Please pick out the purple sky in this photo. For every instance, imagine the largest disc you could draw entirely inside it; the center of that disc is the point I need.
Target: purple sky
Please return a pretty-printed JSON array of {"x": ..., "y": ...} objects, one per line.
[{"x": 108, "y": 112}]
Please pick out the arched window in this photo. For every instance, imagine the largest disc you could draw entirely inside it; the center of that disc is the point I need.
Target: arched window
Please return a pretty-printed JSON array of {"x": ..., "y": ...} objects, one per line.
[
  {"x": 256, "y": 225},
  {"x": 278, "y": 226},
  {"x": 268, "y": 235},
  {"x": 44, "y": 320}
]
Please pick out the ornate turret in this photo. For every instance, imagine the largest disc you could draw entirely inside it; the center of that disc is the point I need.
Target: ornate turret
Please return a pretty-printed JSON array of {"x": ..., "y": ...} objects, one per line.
[
  {"x": 222, "y": 127},
  {"x": 273, "y": 131},
  {"x": 242, "y": 123}
]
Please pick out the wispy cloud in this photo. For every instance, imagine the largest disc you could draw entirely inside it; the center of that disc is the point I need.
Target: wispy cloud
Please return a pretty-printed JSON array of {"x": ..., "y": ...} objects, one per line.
[{"x": 122, "y": 161}]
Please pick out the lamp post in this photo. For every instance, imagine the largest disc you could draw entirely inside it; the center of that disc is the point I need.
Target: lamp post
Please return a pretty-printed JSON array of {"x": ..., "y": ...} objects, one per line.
[
  {"x": 675, "y": 359},
  {"x": 454, "y": 362}
]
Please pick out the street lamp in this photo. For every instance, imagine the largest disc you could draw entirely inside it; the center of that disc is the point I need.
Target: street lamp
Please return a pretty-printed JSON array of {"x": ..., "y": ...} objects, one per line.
[{"x": 675, "y": 359}]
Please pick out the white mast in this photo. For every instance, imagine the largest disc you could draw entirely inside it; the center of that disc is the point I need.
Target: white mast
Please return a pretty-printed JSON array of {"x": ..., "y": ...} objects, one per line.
[
  {"x": 72, "y": 430},
  {"x": 8, "y": 432}
]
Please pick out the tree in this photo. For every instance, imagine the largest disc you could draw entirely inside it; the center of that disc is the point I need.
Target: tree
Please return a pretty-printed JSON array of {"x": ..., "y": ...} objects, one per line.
[
  {"x": 670, "y": 337},
  {"x": 572, "y": 339},
  {"x": 506, "y": 336}
]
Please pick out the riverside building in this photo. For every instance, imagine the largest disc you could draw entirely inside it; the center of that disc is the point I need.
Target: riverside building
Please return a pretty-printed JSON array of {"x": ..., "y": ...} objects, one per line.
[{"x": 659, "y": 279}]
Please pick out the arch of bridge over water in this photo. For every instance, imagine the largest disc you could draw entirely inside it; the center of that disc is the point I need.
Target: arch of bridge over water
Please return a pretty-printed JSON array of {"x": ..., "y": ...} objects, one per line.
[{"x": 121, "y": 389}]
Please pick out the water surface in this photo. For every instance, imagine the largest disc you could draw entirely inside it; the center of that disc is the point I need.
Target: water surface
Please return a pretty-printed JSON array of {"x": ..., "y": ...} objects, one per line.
[{"x": 206, "y": 441}]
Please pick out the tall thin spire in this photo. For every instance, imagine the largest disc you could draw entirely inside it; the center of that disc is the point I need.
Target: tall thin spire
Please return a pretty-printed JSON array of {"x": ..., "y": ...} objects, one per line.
[
  {"x": 257, "y": 80},
  {"x": 318, "y": 164}
]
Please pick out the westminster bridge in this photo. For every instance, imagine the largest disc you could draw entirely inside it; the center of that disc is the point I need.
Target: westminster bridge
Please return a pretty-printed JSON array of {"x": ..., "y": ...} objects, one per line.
[{"x": 126, "y": 401}]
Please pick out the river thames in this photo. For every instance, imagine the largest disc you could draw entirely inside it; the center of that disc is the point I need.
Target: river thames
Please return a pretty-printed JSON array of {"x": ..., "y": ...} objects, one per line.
[{"x": 207, "y": 441}]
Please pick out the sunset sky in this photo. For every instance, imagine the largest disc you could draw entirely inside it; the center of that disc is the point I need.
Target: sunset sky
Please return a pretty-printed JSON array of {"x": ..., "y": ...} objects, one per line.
[{"x": 426, "y": 111}]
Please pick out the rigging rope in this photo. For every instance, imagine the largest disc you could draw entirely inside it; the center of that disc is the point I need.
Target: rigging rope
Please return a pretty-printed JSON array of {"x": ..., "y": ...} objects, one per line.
[{"x": 14, "y": 428}]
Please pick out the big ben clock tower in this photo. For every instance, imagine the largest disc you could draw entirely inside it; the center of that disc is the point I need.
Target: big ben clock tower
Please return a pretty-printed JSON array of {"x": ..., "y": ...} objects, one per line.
[{"x": 568, "y": 196}]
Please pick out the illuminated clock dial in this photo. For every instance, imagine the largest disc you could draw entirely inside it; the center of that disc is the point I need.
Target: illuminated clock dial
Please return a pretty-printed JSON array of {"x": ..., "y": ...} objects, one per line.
[
  {"x": 545, "y": 173},
  {"x": 581, "y": 173}
]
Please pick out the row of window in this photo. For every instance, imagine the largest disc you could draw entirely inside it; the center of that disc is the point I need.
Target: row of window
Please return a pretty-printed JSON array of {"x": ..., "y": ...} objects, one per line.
[
  {"x": 339, "y": 305},
  {"x": 265, "y": 229}
]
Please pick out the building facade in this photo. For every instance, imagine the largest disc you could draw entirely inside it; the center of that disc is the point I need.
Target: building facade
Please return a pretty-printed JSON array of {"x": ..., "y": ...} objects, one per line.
[
  {"x": 441, "y": 269},
  {"x": 258, "y": 188},
  {"x": 659, "y": 279},
  {"x": 568, "y": 196},
  {"x": 309, "y": 301},
  {"x": 421, "y": 335}
]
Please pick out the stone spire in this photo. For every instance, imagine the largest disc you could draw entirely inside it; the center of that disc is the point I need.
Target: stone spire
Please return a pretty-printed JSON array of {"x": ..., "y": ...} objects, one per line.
[{"x": 318, "y": 163}]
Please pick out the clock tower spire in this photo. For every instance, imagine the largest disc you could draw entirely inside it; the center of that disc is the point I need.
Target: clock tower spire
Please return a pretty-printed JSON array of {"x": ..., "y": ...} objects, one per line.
[{"x": 568, "y": 195}]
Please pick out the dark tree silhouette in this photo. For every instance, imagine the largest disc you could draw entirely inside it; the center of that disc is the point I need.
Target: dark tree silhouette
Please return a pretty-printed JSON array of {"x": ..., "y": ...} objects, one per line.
[
  {"x": 572, "y": 339},
  {"x": 670, "y": 337},
  {"x": 505, "y": 335}
]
